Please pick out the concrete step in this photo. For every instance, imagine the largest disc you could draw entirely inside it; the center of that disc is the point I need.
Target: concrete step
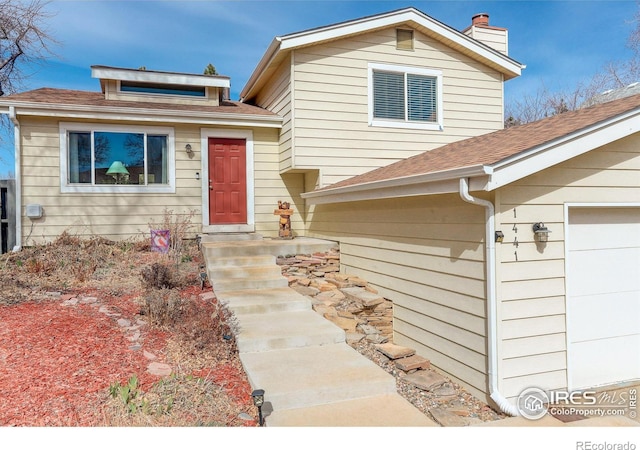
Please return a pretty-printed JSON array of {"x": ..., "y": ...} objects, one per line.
[
  {"x": 235, "y": 272},
  {"x": 285, "y": 329},
  {"x": 387, "y": 410},
  {"x": 258, "y": 301},
  {"x": 312, "y": 376},
  {"x": 276, "y": 247},
  {"x": 218, "y": 237},
  {"x": 236, "y": 284},
  {"x": 234, "y": 261}
]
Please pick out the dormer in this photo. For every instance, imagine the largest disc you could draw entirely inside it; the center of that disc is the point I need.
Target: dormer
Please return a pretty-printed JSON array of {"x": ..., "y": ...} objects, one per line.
[
  {"x": 140, "y": 85},
  {"x": 494, "y": 37}
]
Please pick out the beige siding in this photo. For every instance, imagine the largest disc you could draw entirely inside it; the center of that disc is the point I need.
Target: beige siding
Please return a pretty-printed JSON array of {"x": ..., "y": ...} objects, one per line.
[
  {"x": 331, "y": 104},
  {"x": 126, "y": 215},
  {"x": 276, "y": 97},
  {"x": 426, "y": 255},
  {"x": 532, "y": 275}
]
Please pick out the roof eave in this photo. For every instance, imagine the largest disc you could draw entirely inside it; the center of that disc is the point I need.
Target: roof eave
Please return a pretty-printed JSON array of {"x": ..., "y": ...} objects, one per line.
[
  {"x": 141, "y": 114},
  {"x": 508, "y": 66},
  {"x": 423, "y": 184},
  {"x": 569, "y": 146}
]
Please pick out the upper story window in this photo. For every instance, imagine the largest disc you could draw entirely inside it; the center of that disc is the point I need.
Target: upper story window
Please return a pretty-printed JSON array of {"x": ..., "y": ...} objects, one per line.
[
  {"x": 106, "y": 158},
  {"x": 162, "y": 89},
  {"x": 405, "y": 97}
]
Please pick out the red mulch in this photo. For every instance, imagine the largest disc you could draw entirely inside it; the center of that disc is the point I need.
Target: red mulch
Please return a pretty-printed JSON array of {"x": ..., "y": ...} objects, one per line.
[{"x": 57, "y": 362}]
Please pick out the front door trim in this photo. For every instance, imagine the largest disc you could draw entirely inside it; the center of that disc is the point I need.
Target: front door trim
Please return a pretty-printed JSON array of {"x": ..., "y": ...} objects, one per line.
[{"x": 247, "y": 135}]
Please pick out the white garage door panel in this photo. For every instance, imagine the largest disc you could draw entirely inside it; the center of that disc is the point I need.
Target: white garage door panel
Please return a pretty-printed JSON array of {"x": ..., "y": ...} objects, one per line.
[
  {"x": 593, "y": 362},
  {"x": 594, "y": 323},
  {"x": 603, "y": 296},
  {"x": 603, "y": 271}
]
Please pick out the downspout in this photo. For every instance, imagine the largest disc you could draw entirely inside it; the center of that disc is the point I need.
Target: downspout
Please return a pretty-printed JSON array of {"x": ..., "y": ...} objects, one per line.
[
  {"x": 18, "y": 174},
  {"x": 492, "y": 319}
]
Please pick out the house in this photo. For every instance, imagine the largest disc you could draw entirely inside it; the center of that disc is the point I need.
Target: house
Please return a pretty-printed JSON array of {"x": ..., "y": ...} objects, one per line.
[
  {"x": 307, "y": 119},
  {"x": 385, "y": 135}
]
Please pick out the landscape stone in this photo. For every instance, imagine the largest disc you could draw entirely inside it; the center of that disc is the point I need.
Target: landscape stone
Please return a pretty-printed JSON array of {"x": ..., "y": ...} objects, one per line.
[
  {"x": 362, "y": 296},
  {"x": 159, "y": 369},
  {"x": 425, "y": 379},
  {"x": 413, "y": 362},
  {"x": 305, "y": 290},
  {"x": 353, "y": 337},
  {"x": 346, "y": 324},
  {"x": 394, "y": 351},
  {"x": 448, "y": 419},
  {"x": 124, "y": 323},
  {"x": 207, "y": 296}
]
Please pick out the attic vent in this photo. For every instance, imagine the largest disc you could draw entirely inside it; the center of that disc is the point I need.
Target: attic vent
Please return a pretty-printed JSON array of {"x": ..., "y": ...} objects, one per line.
[{"x": 404, "y": 39}]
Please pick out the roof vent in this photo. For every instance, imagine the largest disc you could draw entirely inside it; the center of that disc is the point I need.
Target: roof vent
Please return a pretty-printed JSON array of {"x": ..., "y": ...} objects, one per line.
[{"x": 481, "y": 19}]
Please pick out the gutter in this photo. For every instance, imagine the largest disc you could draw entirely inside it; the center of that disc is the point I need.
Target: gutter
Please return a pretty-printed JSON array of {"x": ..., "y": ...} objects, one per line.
[
  {"x": 492, "y": 319},
  {"x": 18, "y": 174},
  {"x": 331, "y": 194}
]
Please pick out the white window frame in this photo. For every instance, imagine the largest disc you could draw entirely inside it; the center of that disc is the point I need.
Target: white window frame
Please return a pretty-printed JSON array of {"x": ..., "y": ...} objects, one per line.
[
  {"x": 408, "y": 124},
  {"x": 162, "y": 95},
  {"x": 66, "y": 187}
]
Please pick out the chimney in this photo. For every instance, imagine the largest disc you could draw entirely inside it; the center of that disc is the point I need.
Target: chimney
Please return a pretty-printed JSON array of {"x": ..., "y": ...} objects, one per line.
[
  {"x": 480, "y": 19},
  {"x": 495, "y": 37}
]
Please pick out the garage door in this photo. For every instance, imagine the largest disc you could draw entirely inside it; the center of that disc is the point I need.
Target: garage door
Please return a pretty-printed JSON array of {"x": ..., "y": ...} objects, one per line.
[{"x": 603, "y": 296}]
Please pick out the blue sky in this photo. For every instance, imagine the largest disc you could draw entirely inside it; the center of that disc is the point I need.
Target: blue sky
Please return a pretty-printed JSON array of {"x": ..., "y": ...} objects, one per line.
[{"x": 562, "y": 43}]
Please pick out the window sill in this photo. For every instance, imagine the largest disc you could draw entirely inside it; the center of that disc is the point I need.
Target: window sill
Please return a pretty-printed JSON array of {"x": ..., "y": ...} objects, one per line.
[
  {"x": 117, "y": 189},
  {"x": 407, "y": 125}
]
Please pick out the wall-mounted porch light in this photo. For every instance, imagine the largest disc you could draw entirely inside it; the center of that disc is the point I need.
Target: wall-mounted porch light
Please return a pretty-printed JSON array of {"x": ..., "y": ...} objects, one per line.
[
  {"x": 258, "y": 400},
  {"x": 540, "y": 232},
  {"x": 189, "y": 150},
  {"x": 499, "y": 236}
]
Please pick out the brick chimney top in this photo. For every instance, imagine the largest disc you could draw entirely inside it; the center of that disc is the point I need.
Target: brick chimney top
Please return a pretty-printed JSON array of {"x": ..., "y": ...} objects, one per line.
[{"x": 481, "y": 19}]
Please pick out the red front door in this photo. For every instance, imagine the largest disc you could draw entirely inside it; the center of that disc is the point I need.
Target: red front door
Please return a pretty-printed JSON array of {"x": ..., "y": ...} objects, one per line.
[{"x": 227, "y": 181}]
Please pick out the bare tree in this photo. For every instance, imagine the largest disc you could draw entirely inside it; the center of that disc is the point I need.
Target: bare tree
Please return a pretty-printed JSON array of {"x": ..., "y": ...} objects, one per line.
[
  {"x": 614, "y": 75},
  {"x": 24, "y": 39}
]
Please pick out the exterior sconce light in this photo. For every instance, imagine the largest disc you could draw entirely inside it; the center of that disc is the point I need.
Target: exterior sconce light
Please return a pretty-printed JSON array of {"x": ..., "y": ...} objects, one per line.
[
  {"x": 540, "y": 232},
  {"x": 499, "y": 236},
  {"x": 258, "y": 400},
  {"x": 189, "y": 150}
]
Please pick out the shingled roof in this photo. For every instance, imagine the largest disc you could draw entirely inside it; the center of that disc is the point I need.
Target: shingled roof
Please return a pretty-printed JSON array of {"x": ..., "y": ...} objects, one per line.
[
  {"x": 493, "y": 149},
  {"x": 66, "y": 97}
]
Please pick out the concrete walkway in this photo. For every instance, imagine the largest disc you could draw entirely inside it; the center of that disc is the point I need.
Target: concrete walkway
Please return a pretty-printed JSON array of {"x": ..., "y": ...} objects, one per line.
[{"x": 311, "y": 377}]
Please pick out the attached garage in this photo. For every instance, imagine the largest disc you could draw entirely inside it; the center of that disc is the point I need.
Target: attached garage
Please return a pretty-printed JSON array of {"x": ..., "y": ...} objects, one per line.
[{"x": 603, "y": 295}]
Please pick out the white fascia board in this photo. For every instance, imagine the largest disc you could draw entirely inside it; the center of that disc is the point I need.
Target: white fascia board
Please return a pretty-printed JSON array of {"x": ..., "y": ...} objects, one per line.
[
  {"x": 114, "y": 73},
  {"x": 363, "y": 25},
  {"x": 262, "y": 65},
  {"x": 151, "y": 115},
  {"x": 569, "y": 146},
  {"x": 424, "y": 184}
]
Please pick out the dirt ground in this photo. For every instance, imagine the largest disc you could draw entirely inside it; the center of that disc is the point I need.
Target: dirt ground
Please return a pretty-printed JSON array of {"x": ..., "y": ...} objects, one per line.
[{"x": 80, "y": 327}]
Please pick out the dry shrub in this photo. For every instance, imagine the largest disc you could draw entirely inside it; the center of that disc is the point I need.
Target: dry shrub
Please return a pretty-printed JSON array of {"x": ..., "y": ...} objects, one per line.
[
  {"x": 158, "y": 276},
  {"x": 163, "y": 307}
]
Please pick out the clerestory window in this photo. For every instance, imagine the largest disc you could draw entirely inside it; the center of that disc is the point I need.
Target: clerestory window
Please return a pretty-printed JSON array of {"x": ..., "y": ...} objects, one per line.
[{"x": 405, "y": 97}]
